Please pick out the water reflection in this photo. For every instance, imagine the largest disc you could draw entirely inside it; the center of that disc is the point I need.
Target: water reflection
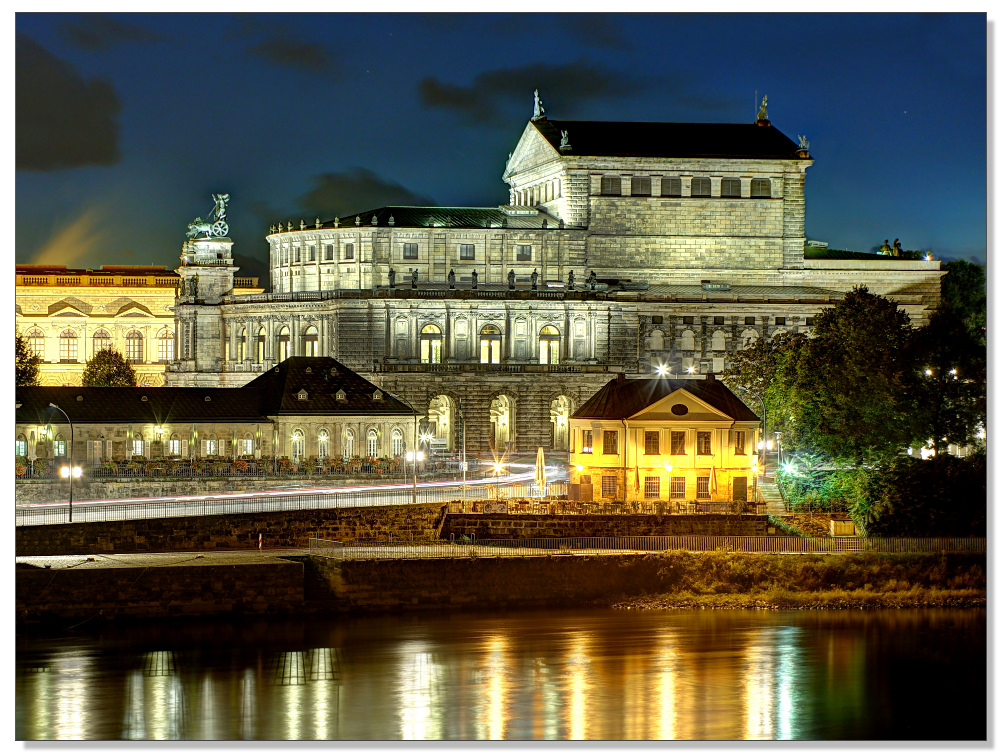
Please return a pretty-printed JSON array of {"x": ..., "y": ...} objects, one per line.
[{"x": 560, "y": 675}]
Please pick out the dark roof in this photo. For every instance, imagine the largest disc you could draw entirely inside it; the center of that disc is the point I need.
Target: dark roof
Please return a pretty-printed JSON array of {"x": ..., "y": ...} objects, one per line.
[
  {"x": 623, "y": 139},
  {"x": 321, "y": 377},
  {"x": 447, "y": 217},
  {"x": 108, "y": 269},
  {"x": 273, "y": 393},
  {"x": 622, "y": 398}
]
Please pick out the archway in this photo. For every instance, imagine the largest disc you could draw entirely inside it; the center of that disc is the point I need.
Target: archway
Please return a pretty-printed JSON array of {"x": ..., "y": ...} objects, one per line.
[
  {"x": 559, "y": 412},
  {"x": 548, "y": 345},
  {"x": 501, "y": 423},
  {"x": 430, "y": 344},
  {"x": 439, "y": 421},
  {"x": 489, "y": 345}
]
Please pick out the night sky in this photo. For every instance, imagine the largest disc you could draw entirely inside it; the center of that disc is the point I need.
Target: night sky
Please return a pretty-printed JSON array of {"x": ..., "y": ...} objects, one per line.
[{"x": 127, "y": 123}]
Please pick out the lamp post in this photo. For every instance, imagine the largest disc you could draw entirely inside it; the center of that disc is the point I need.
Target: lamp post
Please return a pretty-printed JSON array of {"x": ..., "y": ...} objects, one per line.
[
  {"x": 71, "y": 471},
  {"x": 414, "y": 456}
]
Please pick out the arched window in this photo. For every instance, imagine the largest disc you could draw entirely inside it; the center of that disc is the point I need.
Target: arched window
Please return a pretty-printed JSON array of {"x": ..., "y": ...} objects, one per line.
[
  {"x": 348, "y": 443},
  {"x": 501, "y": 419},
  {"x": 133, "y": 346},
  {"x": 323, "y": 444},
  {"x": 165, "y": 346},
  {"x": 760, "y": 187},
  {"x": 21, "y": 446},
  {"x": 244, "y": 446},
  {"x": 397, "y": 443},
  {"x": 137, "y": 444},
  {"x": 372, "y": 444},
  {"x": 102, "y": 340},
  {"x": 489, "y": 345},
  {"x": 298, "y": 445},
  {"x": 548, "y": 345},
  {"x": 36, "y": 341},
  {"x": 210, "y": 445},
  {"x": 559, "y": 411},
  {"x": 174, "y": 445},
  {"x": 430, "y": 344},
  {"x": 310, "y": 341},
  {"x": 611, "y": 185},
  {"x": 749, "y": 337},
  {"x": 284, "y": 336},
  {"x": 687, "y": 340},
  {"x": 778, "y": 332},
  {"x": 261, "y": 341},
  {"x": 241, "y": 345},
  {"x": 718, "y": 341},
  {"x": 67, "y": 347},
  {"x": 656, "y": 340},
  {"x": 59, "y": 446}
]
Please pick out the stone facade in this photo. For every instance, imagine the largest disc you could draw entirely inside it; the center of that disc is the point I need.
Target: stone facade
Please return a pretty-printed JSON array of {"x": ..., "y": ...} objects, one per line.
[{"x": 672, "y": 249}]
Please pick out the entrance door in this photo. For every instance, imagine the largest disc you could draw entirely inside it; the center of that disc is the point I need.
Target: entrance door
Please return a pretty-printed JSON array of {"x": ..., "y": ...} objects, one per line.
[{"x": 739, "y": 489}]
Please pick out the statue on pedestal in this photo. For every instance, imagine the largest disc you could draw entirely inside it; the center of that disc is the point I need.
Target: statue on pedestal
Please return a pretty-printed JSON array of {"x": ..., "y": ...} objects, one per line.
[
  {"x": 475, "y": 280},
  {"x": 510, "y": 279},
  {"x": 392, "y": 278},
  {"x": 534, "y": 279},
  {"x": 539, "y": 113},
  {"x": 451, "y": 279},
  {"x": 413, "y": 278},
  {"x": 571, "y": 279},
  {"x": 762, "y": 113}
]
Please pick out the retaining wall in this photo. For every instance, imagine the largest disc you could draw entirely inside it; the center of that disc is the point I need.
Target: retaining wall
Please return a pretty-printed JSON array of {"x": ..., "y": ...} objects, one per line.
[
  {"x": 507, "y": 526},
  {"x": 279, "y": 529}
]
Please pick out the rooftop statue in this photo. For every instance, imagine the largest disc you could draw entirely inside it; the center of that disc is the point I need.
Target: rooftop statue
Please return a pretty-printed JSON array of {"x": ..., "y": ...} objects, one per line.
[
  {"x": 539, "y": 109},
  {"x": 803, "y": 144},
  {"x": 216, "y": 226},
  {"x": 564, "y": 141},
  {"x": 762, "y": 113}
]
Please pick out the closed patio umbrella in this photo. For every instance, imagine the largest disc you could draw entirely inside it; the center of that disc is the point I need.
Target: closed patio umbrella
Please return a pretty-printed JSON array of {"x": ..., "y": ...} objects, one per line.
[{"x": 540, "y": 470}]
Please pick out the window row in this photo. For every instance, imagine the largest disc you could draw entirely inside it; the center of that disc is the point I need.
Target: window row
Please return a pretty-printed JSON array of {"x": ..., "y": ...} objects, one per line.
[
  {"x": 611, "y": 185},
  {"x": 257, "y": 349},
  {"x": 410, "y": 251},
  {"x": 715, "y": 320},
  {"x": 651, "y": 442},
  {"x": 69, "y": 350},
  {"x": 490, "y": 342}
]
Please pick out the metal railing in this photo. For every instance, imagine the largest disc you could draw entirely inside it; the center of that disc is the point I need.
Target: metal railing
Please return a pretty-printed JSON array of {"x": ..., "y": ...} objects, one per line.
[{"x": 498, "y": 548}]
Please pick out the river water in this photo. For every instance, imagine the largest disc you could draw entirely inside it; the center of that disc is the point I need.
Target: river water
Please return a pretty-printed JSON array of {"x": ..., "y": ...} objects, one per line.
[{"x": 556, "y": 674}]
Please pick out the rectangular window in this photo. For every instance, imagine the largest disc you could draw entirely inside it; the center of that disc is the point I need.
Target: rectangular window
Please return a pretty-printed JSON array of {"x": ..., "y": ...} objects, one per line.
[
  {"x": 677, "y": 491},
  {"x": 705, "y": 443},
  {"x": 611, "y": 185},
  {"x": 312, "y": 253},
  {"x": 137, "y": 447},
  {"x": 760, "y": 187},
  {"x": 20, "y": 447},
  {"x": 809, "y": 321},
  {"x": 677, "y": 443},
  {"x": 731, "y": 187},
  {"x": 779, "y": 320},
  {"x": 749, "y": 320},
  {"x": 166, "y": 347},
  {"x": 611, "y": 442},
  {"x": 718, "y": 320},
  {"x": 409, "y": 251},
  {"x": 298, "y": 254},
  {"x": 210, "y": 447},
  {"x": 586, "y": 441},
  {"x": 348, "y": 251},
  {"x": 653, "y": 443},
  {"x": 609, "y": 487},
  {"x": 67, "y": 349},
  {"x": 59, "y": 448},
  {"x": 670, "y": 187},
  {"x": 657, "y": 319},
  {"x": 703, "y": 491},
  {"x": 467, "y": 251},
  {"x": 740, "y": 442},
  {"x": 701, "y": 187},
  {"x": 523, "y": 253},
  {"x": 642, "y": 185},
  {"x": 173, "y": 447},
  {"x": 689, "y": 320},
  {"x": 651, "y": 488},
  {"x": 244, "y": 446},
  {"x": 329, "y": 252}
]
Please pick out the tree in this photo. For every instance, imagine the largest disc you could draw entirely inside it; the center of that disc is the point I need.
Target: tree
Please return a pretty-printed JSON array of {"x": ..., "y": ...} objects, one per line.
[
  {"x": 850, "y": 388},
  {"x": 26, "y": 364},
  {"x": 963, "y": 289},
  {"x": 108, "y": 368},
  {"x": 950, "y": 387}
]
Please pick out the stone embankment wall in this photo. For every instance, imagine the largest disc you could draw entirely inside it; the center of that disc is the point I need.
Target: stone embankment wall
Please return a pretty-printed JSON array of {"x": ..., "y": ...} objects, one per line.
[
  {"x": 279, "y": 529},
  {"x": 65, "y": 594},
  {"x": 500, "y": 526},
  {"x": 57, "y": 490}
]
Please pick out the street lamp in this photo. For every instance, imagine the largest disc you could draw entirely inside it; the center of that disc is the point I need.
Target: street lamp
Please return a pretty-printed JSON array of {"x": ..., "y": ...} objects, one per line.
[
  {"x": 70, "y": 471},
  {"x": 411, "y": 456}
]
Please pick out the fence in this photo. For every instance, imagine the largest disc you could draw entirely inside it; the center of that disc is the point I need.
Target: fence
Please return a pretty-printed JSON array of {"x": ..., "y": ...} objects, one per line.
[{"x": 469, "y": 548}]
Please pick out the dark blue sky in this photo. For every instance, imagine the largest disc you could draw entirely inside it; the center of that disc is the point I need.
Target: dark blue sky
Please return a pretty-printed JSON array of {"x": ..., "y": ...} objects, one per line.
[{"x": 127, "y": 123}]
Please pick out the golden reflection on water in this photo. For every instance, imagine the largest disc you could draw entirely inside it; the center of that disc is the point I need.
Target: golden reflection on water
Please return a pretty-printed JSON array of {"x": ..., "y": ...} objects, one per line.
[{"x": 603, "y": 676}]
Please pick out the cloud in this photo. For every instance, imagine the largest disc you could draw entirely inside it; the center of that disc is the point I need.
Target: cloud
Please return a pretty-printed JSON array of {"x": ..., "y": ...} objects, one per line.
[
  {"x": 596, "y": 30},
  {"x": 572, "y": 84},
  {"x": 61, "y": 121},
  {"x": 336, "y": 194},
  {"x": 82, "y": 242},
  {"x": 98, "y": 32},
  {"x": 293, "y": 53}
]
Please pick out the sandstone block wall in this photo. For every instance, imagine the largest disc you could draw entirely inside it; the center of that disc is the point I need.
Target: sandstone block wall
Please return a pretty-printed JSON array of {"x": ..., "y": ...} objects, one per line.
[{"x": 498, "y": 526}]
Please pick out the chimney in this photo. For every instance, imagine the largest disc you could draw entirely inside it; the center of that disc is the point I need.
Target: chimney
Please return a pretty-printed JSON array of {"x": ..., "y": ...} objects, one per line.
[
  {"x": 710, "y": 377},
  {"x": 621, "y": 378}
]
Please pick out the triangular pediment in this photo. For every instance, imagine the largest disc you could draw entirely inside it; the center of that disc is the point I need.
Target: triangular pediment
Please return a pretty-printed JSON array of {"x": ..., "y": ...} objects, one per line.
[
  {"x": 134, "y": 309},
  {"x": 66, "y": 309},
  {"x": 532, "y": 149},
  {"x": 682, "y": 407}
]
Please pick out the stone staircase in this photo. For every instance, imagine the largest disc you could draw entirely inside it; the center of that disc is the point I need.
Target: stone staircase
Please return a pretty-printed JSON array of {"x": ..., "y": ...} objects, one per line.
[
  {"x": 810, "y": 524},
  {"x": 768, "y": 492}
]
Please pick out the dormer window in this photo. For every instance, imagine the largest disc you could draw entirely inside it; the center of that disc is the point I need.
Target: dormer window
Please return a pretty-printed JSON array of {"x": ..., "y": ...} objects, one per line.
[
  {"x": 377, "y": 395},
  {"x": 309, "y": 370},
  {"x": 208, "y": 398},
  {"x": 341, "y": 395},
  {"x": 302, "y": 395}
]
